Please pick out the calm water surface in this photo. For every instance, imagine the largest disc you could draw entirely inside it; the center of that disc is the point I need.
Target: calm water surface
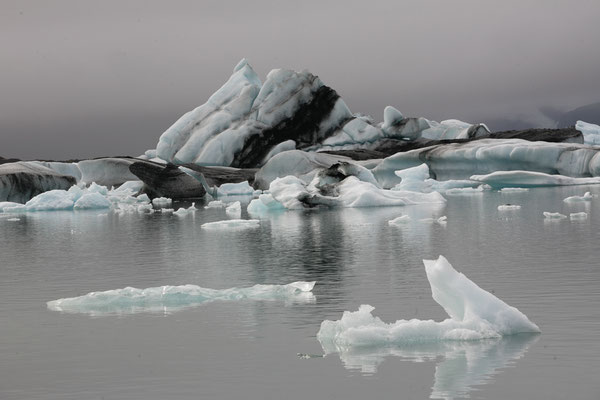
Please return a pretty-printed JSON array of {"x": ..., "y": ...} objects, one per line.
[{"x": 248, "y": 349}]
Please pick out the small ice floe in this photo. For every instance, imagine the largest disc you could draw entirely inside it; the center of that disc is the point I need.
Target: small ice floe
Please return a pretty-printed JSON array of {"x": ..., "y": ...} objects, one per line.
[
  {"x": 401, "y": 220},
  {"x": 578, "y": 216},
  {"x": 232, "y": 224},
  {"x": 576, "y": 199},
  {"x": 13, "y": 219},
  {"x": 182, "y": 212},
  {"x": 464, "y": 191},
  {"x": 215, "y": 204},
  {"x": 513, "y": 190},
  {"x": 166, "y": 210},
  {"x": 443, "y": 220},
  {"x": 509, "y": 207},
  {"x": 162, "y": 202},
  {"x": 131, "y": 300},
  {"x": 554, "y": 215},
  {"x": 234, "y": 209}
]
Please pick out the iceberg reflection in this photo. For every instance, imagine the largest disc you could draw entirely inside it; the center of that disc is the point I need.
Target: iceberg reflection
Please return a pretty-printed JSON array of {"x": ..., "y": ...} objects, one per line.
[{"x": 463, "y": 365}]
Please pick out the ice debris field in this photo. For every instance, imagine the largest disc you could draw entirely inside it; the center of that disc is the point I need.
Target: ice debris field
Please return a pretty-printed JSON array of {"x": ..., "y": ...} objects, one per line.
[
  {"x": 130, "y": 300},
  {"x": 474, "y": 314}
]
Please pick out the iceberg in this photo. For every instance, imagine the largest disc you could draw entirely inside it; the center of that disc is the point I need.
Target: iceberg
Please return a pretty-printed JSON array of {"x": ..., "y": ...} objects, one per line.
[
  {"x": 554, "y": 215},
  {"x": 513, "y": 190},
  {"x": 215, "y": 204},
  {"x": 591, "y": 132},
  {"x": 474, "y": 314},
  {"x": 234, "y": 209},
  {"x": 166, "y": 299},
  {"x": 401, "y": 220},
  {"x": 232, "y": 224},
  {"x": 235, "y": 189},
  {"x": 577, "y": 199},
  {"x": 21, "y": 181},
  {"x": 478, "y": 157},
  {"x": 264, "y": 205},
  {"x": 161, "y": 201},
  {"x": 578, "y": 216},
  {"x": 509, "y": 207},
  {"x": 92, "y": 201},
  {"x": 503, "y": 179}
]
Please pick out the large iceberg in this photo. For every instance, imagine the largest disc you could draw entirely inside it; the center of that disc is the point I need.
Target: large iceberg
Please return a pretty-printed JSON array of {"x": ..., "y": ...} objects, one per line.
[
  {"x": 524, "y": 179},
  {"x": 130, "y": 300},
  {"x": 20, "y": 181},
  {"x": 246, "y": 122},
  {"x": 473, "y": 314}
]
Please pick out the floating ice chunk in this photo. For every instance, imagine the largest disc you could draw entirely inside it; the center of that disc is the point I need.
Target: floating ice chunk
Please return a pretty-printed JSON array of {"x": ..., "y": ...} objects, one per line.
[
  {"x": 13, "y": 219},
  {"x": 474, "y": 314},
  {"x": 578, "y": 215},
  {"x": 162, "y": 201},
  {"x": 143, "y": 198},
  {"x": 466, "y": 190},
  {"x": 509, "y": 207},
  {"x": 234, "y": 209},
  {"x": 132, "y": 187},
  {"x": 401, "y": 220},
  {"x": 215, "y": 204},
  {"x": 181, "y": 212},
  {"x": 591, "y": 132},
  {"x": 235, "y": 189},
  {"x": 264, "y": 204},
  {"x": 92, "y": 201},
  {"x": 6, "y": 205},
  {"x": 443, "y": 220},
  {"x": 501, "y": 179},
  {"x": 130, "y": 300},
  {"x": 554, "y": 215},
  {"x": 52, "y": 200},
  {"x": 576, "y": 199},
  {"x": 145, "y": 208},
  {"x": 167, "y": 210},
  {"x": 232, "y": 224},
  {"x": 513, "y": 190}
]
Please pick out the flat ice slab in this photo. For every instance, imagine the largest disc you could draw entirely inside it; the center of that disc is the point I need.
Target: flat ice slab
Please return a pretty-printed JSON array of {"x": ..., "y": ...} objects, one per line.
[
  {"x": 474, "y": 314},
  {"x": 130, "y": 300},
  {"x": 232, "y": 224}
]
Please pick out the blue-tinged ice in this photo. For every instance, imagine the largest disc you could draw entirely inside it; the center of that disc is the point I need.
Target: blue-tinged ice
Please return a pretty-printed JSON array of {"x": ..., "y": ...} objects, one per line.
[
  {"x": 503, "y": 179},
  {"x": 235, "y": 189},
  {"x": 591, "y": 132},
  {"x": 556, "y": 216},
  {"x": 232, "y": 224},
  {"x": 474, "y": 314},
  {"x": 131, "y": 300}
]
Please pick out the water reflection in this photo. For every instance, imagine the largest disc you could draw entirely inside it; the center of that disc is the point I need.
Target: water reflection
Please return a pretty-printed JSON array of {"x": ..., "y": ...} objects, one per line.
[{"x": 461, "y": 367}]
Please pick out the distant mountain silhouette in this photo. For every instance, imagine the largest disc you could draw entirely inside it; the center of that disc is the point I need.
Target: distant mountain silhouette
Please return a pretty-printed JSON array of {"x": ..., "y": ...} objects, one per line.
[{"x": 588, "y": 113}]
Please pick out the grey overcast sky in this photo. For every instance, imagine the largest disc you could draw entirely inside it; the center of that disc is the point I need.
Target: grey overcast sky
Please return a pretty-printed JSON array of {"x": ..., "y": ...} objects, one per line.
[{"x": 90, "y": 78}]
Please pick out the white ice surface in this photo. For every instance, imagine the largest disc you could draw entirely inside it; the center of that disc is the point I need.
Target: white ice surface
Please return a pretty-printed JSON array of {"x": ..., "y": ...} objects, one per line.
[
  {"x": 263, "y": 205},
  {"x": 578, "y": 216},
  {"x": 513, "y": 190},
  {"x": 509, "y": 207},
  {"x": 162, "y": 201},
  {"x": 215, "y": 204},
  {"x": 577, "y": 199},
  {"x": 554, "y": 215},
  {"x": 501, "y": 179},
  {"x": 235, "y": 189},
  {"x": 232, "y": 224},
  {"x": 591, "y": 132},
  {"x": 234, "y": 210},
  {"x": 473, "y": 314},
  {"x": 130, "y": 300},
  {"x": 401, "y": 220}
]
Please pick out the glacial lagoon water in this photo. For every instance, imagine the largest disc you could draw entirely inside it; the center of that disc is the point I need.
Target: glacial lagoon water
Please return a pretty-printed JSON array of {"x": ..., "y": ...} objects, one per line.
[{"x": 550, "y": 270}]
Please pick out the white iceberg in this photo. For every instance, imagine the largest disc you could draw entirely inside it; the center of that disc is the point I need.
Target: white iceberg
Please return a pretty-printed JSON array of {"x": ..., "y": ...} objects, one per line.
[
  {"x": 401, "y": 220},
  {"x": 509, "y": 207},
  {"x": 92, "y": 201},
  {"x": 578, "y": 216},
  {"x": 235, "y": 189},
  {"x": 234, "y": 209},
  {"x": 162, "y": 201},
  {"x": 513, "y": 190},
  {"x": 554, "y": 215},
  {"x": 130, "y": 300},
  {"x": 232, "y": 224},
  {"x": 591, "y": 132},
  {"x": 501, "y": 179},
  {"x": 215, "y": 204},
  {"x": 474, "y": 314},
  {"x": 264, "y": 205},
  {"x": 577, "y": 199}
]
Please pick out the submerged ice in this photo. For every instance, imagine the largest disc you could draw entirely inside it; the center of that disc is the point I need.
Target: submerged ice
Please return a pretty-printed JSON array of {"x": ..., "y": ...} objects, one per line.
[
  {"x": 473, "y": 314},
  {"x": 171, "y": 298}
]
